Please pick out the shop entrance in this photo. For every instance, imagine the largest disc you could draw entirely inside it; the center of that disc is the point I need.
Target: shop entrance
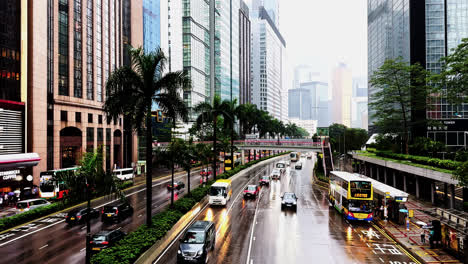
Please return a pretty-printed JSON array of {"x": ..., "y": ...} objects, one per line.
[
  {"x": 70, "y": 146},
  {"x": 117, "y": 147}
]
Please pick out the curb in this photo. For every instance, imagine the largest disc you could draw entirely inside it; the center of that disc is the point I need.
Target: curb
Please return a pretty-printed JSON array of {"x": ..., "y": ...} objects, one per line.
[{"x": 416, "y": 256}]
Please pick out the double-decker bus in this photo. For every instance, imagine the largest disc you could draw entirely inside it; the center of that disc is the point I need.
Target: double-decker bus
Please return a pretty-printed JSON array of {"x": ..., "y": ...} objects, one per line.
[
  {"x": 352, "y": 195},
  {"x": 295, "y": 156},
  {"x": 50, "y": 187}
]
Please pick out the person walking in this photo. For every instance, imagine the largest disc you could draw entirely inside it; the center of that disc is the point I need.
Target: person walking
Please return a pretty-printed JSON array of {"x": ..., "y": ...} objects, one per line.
[
  {"x": 5, "y": 199},
  {"x": 423, "y": 236},
  {"x": 1, "y": 200}
]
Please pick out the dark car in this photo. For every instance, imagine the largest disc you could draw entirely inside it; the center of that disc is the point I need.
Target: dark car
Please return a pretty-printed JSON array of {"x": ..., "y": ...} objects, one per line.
[
  {"x": 289, "y": 200},
  {"x": 251, "y": 191},
  {"x": 177, "y": 185},
  {"x": 117, "y": 212},
  {"x": 265, "y": 180},
  {"x": 298, "y": 166},
  {"x": 104, "y": 239},
  {"x": 199, "y": 238},
  {"x": 80, "y": 215}
]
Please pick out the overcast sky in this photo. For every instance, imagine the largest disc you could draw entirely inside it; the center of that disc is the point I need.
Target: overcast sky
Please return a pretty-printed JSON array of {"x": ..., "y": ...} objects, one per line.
[{"x": 323, "y": 32}]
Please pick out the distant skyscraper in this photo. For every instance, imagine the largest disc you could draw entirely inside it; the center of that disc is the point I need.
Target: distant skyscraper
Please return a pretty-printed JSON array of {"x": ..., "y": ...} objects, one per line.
[
  {"x": 437, "y": 27},
  {"x": 267, "y": 65},
  {"x": 151, "y": 25},
  {"x": 305, "y": 73},
  {"x": 244, "y": 54},
  {"x": 358, "y": 102},
  {"x": 310, "y": 102},
  {"x": 341, "y": 93}
]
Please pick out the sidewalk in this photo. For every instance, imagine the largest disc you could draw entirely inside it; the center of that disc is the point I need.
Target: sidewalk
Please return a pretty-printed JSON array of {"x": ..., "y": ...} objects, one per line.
[{"x": 411, "y": 240}]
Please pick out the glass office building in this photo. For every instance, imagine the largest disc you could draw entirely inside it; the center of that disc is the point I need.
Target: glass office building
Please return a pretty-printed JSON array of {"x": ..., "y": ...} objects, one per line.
[{"x": 151, "y": 25}]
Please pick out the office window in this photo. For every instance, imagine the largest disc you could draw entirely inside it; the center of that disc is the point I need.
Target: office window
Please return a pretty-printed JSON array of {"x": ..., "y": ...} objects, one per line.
[
  {"x": 108, "y": 120},
  {"x": 78, "y": 117},
  {"x": 78, "y": 84},
  {"x": 120, "y": 121},
  {"x": 90, "y": 118},
  {"x": 100, "y": 136},
  {"x": 100, "y": 119},
  {"x": 63, "y": 48},
  {"x": 63, "y": 116}
]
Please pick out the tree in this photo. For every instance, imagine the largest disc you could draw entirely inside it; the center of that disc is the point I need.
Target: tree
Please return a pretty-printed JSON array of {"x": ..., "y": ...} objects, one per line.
[
  {"x": 461, "y": 174},
  {"x": 210, "y": 113},
  {"x": 453, "y": 79},
  {"x": 401, "y": 92},
  {"x": 185, "y": 156},
  {"x": 233, "y": 111},
  {"x": 246, "y": 114},
  {"x": 131, "y": 91}
]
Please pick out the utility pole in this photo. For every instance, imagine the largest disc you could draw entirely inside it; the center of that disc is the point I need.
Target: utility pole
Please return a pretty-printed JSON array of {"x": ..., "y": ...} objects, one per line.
[{"x": 88, "y": 225}]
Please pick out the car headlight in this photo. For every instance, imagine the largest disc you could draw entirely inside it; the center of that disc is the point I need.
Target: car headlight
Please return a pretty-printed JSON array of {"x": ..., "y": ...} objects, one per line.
[
  {"x": 200, "y": 252},
  {"x": 179, "y": 252},
  {"x": 294, "y": 202},
  {"x": 283, "y": 202}
]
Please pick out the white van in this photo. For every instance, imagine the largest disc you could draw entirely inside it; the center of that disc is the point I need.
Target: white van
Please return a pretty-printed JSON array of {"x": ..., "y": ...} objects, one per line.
[
  {"x": 281, "y": 166},
  {"x": 220, "y": 192},
  {"x": 30, "y": 204},
  {"x": 124, "y": 174}
]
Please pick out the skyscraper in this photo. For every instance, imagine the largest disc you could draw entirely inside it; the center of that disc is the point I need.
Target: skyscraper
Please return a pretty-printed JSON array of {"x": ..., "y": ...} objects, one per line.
[
  {"x": 267, "y": 65},
  {"x": 358, "y": 102},
  {"x": 341, "y": 95},
  {"x": 244, "y": 54},
  {"x": 310, "y": 102},
  {"x": 420, "y": 32},
  {"x": 151, "y": 25}
]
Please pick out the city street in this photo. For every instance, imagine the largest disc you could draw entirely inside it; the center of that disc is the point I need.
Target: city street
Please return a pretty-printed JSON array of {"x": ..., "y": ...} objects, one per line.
[
  {"x": 257, "y": 231},
  {"x": 50, "y": 240}
]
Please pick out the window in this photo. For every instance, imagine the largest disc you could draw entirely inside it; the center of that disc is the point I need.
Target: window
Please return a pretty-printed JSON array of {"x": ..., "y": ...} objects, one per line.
[
  {"x": 78, "y": 84},
  {"x": 63, "y": 48},
  {"x": 90, "y": 118},
  {"x": 120, "y": 121},
  {"x": 63, "y": 116},
  {"x": 108, "y": 120},
  {"x": 100, "y": 119},
  {"x": 78, "y": 117},
  {"x": 100, "y": 136}
]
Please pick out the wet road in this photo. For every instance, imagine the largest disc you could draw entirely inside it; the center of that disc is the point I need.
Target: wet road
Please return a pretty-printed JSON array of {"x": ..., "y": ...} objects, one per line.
[
  {"x": 257, "y": 231},
  {"x": 50, "y": 240}
]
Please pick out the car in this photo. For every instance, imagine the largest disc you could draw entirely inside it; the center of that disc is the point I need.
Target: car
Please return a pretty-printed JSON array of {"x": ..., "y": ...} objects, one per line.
[
  {"x": 199, "y": 238},
  {"x": 309, "y": 156},
  {"x": 251, "y": 191},
  {"x": 177, "y": 185},
  {"x": 205, "y": 172},
  {"x": 265, "y": 180},
  {"x": 80, "y": 215},
  {"x": 116, "y": 212},
  {"x": 289, "y": 200},
  {"x": 281, "y": 166},
  {"x": 30, "y": 204},
  {"x": 303, "y": 155},
  {"x": 298, "y": 166},
  {"x": 275, "y": 174},
  {"x": 104, "y": 239},
  {"x": 288, "y": 163}
]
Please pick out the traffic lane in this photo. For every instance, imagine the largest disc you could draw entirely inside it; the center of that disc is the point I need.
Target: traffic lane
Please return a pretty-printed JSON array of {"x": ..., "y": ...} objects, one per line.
[
  {"x": 221, "y": 216},
  {"x": 66, "y": 245},
  {"x": 315, "y": 232}
]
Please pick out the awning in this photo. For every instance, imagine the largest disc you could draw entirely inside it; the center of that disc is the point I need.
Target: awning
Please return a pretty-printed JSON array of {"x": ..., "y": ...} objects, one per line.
[{"x": 19, "y": 160}]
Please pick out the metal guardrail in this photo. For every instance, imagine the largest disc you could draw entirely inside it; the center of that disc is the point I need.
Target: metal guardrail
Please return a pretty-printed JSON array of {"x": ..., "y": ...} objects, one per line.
[
  {"x": 260, "y": 142},
  {"x": 457, "y": 217}
]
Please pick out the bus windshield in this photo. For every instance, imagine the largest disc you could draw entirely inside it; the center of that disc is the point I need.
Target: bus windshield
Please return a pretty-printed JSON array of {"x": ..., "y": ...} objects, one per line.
[
  {"x": 47, "y": 186},
  {"x": 360, "y": 206},
  {"x": 217, "y": 191}
]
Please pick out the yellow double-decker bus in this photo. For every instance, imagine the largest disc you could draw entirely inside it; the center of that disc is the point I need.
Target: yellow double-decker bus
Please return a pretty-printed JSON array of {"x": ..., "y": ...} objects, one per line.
[
  {"x": 295, "y": 156},
  {"x": 351, "y": 194}
]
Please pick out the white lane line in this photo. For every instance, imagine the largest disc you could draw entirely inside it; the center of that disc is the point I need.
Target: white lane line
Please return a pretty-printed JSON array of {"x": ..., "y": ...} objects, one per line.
[
  {"x": 140, "y": 215},
  {"x": 83, "y": 249},
  {"x": 253, "y": 229},
  {"x": 251, "y": 261},
  {"x": 382, "y": 260},
  {"x": 119, "y": 228},
  {"x": 44, "y": 246},
  {"x": 83, "y": 227},
  {"x": 35, "y": 231},
  {"x": 181, "y": 232}
]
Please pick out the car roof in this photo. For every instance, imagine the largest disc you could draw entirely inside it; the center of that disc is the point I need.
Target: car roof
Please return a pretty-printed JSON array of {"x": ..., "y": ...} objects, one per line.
[
  {"x": 199, "y": 226},
  {"x": 30, "y": 200},
  {"x": 289, "y": 193}
]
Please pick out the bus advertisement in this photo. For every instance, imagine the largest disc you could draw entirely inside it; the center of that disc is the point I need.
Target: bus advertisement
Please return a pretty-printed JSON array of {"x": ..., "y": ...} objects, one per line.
[
  {"x": 352, "y": 195},
  {"x": 50, "y": 187}
]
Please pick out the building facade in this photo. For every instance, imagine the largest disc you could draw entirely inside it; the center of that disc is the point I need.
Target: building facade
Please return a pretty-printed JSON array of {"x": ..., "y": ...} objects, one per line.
[
  {"x": 420, "y": 32},
  {"x": 151, "y": 25},
  {"x": 359, "y": 102},
  {"x": 244, "y": 54},
  {"x": 267, "y": 65},
  {"x": 310, "y": 102},
  {"x": 74, "y": 47},
  {"x": 341, "y": 93}
]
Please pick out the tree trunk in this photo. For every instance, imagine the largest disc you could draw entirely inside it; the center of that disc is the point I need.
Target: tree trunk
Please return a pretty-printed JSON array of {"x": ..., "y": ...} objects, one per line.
[
  {"x": 214, "y": 148},
  {"x": 232, "y": 146},
  {"x": 88, "y": 229},
  {"x": 188, "y": 181},
  {"x": 149, "y": 165},
  {"x": 172, "y": 166}
]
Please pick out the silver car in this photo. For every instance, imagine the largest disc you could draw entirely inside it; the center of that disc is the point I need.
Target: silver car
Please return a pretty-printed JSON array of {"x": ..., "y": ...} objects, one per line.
[{"x": 30, "y": 204}]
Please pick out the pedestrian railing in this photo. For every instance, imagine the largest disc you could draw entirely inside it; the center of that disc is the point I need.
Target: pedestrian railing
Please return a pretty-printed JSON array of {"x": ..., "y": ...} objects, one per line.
[{"x": 457, "y": 217}]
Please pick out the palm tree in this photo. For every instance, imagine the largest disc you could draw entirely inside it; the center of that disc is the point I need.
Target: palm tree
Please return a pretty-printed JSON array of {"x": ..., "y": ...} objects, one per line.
[
  {"x": 246, "y": 114},
  {"x": 187, "y": 154},
  {"x": 210, "y": 113},
  {"x": 233, "y": 112},
  {"x": 131, "y": 92}
]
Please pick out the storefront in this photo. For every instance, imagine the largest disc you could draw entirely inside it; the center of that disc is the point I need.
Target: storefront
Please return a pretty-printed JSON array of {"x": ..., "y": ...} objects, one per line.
[{"x": 16, "y": 172}]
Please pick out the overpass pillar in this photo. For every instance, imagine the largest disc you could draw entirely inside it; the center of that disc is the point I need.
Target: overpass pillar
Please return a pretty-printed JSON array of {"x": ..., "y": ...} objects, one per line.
[
  {"x": 452, "y": 196},
  {"x": 378, "y": 173},
  {"x": 405, "y": 188},
  {"x": 445, "y": 194},
  {"x": 371, "y": 174},
  {"x": 243, "y": 157},
  {"x": 385, "y": 175},
  {"x": 394, "y": 179},
  {"x": 432, "y": 193},
  {"x": 417, "y": 187}
]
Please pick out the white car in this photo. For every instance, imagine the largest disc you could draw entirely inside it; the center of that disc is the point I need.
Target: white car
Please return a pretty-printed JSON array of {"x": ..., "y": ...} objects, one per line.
[
  {"x": 275, "y": 174},
  {"x": 281, "y": 166},
  {"x": 30, "y": 204}
]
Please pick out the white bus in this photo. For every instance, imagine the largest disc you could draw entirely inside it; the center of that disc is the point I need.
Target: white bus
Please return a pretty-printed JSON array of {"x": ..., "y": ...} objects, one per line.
[
  {"x": 124, "y": 174},
  {"x": 220, "y": 192},
  {"x": 50, "y": 187}
]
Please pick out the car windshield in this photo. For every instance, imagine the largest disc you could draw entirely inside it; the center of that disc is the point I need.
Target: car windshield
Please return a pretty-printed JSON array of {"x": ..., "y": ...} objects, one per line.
[
  {"x": 280, "y": 165},
  {"x": 265, "y": 177},
  {"x": 217, "y": 191},
  {"x": 360, "y": 206},
  {"x": 99, "y": 238},
  {"x": 251, "y": 188},
  {"x": 275, "y": 171},
  {"x": 109, "y": 209},
  {"x": 21, "y": 205},
  {"x": 194, "y": 238},
  {"x": 288, "y": 196}
]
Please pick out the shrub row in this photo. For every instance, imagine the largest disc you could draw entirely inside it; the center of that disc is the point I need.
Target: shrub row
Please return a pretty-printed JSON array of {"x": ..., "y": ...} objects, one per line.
[
  {"x": 137, "y": 242},
  {"x": 438, "y": 163}
]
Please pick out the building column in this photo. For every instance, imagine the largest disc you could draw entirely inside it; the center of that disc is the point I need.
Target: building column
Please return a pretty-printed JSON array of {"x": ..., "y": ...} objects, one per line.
[
  {"x": 433, "y": 193},
  {"x": 394, "y": 179},
  {"x": 243, "y": 157},
  {"x": 385, "y": 175},
  {"x": 445, "y": 194},
  {"x": 417, "y": 187},
  {"x": 378, "y": 173},
  {"x": 371, "y": 173},
  {"x": 452, "y": 196},
  {"x": 405, "y": 188}
]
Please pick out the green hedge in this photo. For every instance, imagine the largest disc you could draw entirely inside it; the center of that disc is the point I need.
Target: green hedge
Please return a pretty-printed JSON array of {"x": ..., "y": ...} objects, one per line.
[
  {"x": 15, "y": 220},
  {"x": 137, "y": 242},
  {"x": 438, "y": 163}
]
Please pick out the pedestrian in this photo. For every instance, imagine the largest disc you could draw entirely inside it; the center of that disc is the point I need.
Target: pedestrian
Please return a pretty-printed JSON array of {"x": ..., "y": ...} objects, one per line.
[
  {"x": 5, "y": 199},
  {"x": 1, "y": 200},
  {"x": 423, "y": 236},
  {"x": 407, "y": 223}
]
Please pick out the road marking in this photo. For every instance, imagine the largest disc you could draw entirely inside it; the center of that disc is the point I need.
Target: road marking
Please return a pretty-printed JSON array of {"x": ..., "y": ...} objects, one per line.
[
  {"x": 251, "y": 261},
  {"x": 254, "y": 238},
  {"x": 253, "y": 228},
  {"x": 140, "y": 215},
  {"x": 83, "y": 227},
  {"x": 119, "y": 228},
  {"x": 83, "y": 249},
  {"x": 382, "y": 260},
  {"x": 181, "y": 232},
  {"x": 14, "y": 239},
  {"x": 44, "y": 246}
]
